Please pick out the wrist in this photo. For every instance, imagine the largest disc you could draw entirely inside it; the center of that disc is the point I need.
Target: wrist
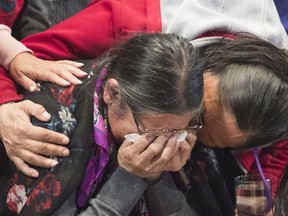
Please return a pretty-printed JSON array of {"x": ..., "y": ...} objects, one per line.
[
  {"x": 151, "y": 180},
  {"x": 22, "y": 55}
]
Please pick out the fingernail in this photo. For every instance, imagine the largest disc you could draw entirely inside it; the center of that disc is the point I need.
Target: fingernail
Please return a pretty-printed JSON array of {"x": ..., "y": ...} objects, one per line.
[
  {"x": 53, "y": 163},
  {"x": 46, "y": 115},
  {"x": 31, "y": 88},
  {"x": 38, "y": 87},
  {"x": 80, "y": 64},
  {"x": 65, "y": 152},
  {"x": 65, "y": 140},
  {"x": 66, "y": 83},
  {"x": 84, "y": 73},
  {"x": 34, "y": 174},
  {"x": 78, "y": 81}
]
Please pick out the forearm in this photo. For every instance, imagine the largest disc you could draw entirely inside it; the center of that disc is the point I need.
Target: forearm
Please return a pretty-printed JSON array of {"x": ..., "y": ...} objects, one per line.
[
  {"x": 165, "y": 199},
  {"x": 118, "y": 196},
  {"x": 9, "y": 47}
]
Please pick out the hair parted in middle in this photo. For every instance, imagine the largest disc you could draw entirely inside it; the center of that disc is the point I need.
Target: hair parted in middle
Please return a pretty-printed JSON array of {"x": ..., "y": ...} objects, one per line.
[{"x": 158, "y": 73}]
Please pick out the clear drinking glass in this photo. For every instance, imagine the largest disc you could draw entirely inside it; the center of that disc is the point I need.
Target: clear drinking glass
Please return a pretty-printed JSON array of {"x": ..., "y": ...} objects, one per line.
[{"x": 251, "y": 195}]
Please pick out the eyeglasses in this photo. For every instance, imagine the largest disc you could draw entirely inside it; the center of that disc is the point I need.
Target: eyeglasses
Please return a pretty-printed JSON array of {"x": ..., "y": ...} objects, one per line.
[{"x": 194, "y": 124}]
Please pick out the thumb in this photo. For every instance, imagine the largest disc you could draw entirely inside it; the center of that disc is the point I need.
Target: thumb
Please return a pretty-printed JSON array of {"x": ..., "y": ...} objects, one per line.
[
  {"x": 36, "y": 110},
  {"x": 27, "y": 83}
]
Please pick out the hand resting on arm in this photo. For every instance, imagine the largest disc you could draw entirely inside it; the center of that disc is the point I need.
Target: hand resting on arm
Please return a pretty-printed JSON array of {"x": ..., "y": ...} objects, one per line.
[
  {"x": 26, "y": 69},
  {"x": 25, "y": 143}
]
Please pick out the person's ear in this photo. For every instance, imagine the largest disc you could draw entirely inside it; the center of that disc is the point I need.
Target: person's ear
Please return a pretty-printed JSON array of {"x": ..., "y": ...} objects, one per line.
[{"x": 111, "y": 91}]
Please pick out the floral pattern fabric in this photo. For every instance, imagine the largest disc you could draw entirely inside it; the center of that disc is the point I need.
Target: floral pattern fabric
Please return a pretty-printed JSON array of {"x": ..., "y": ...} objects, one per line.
[
  {"x": 25, "y": 194},
  {"x": 21, "y": 195}
]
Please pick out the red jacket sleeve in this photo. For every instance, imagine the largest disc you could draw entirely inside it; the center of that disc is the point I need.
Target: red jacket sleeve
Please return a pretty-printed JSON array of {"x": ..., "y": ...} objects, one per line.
[
  {"x": 89, "y": 33},
  {"x": 101, "y": 25},
  {"x": 7, "y": 17}
]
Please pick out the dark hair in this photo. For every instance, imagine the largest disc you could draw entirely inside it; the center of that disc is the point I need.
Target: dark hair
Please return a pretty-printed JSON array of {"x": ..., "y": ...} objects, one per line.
[
  {"x": 280, "y": 202},
  {"x": 158, "y": 73},
  {"x": 253, "y": 77}
]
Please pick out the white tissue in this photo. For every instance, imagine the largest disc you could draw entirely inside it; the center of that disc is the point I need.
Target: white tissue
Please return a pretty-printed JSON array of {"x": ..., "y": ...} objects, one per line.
[
  {"x": 182, "y": 136},
  {"x": 132, "y": 137}
]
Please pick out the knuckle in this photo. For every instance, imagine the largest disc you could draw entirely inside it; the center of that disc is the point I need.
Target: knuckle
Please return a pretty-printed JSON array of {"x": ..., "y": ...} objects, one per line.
[
  {"x": 62, "y": 72},
  {"x": 154, "y": 148},
  {"x": 38, "y": 107},
  {"x": 46, "y": 136},
  {"x": 46, "y": 163},
  {"x": 21, "y": 131},
  {"x": 147, "y": 169},
  {"x": 138, "y": 163},
  {"x": 31, "y": 160},
  {"x": 27, "y": 102},
  {"x": 42, "y": 149},
  {"x": 165, "y": 157},
  {"x": 129, "y": 157},
  {"x": 124, "y": 152}
]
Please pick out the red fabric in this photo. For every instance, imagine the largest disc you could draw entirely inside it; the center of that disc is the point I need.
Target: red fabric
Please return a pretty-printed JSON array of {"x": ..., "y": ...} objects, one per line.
[
  {"x": 7, "y": 88},
  {"x": 9, "y": 10},
  {"x": 89, "y": 33},
  {"x": 273, "y": 160},
  {"x": 92, "y": 31},
  {"x": 8, "y": 13}
]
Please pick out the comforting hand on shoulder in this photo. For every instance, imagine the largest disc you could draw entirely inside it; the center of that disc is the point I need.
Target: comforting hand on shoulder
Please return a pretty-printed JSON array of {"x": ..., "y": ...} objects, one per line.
[
  {"x": 25, "y": 143},
  {"x": 26, "y": 69}
]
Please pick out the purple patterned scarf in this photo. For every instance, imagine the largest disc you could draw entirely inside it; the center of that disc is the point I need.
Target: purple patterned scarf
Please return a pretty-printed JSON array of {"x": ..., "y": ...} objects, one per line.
[{"x": 102, "y": 139}]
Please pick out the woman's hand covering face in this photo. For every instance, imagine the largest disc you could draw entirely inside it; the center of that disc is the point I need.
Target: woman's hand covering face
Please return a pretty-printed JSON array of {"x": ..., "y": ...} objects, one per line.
[{"x": 149, "y": 156}]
